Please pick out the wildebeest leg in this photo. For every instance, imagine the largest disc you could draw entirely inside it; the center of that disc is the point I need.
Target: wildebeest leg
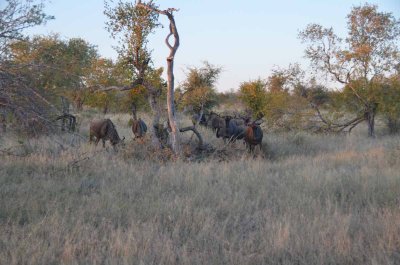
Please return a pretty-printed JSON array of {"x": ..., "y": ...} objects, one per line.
[
  {"x": 97, "y": 141},
  {"x": 104, "y": 143}
]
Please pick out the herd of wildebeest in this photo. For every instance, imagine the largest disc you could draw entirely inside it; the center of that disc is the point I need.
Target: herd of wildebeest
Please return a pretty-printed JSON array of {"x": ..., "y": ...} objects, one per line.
[{"x": 229, "y": 128}]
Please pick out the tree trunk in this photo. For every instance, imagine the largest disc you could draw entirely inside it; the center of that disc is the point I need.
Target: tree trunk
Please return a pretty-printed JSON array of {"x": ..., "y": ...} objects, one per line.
[
  {"x": 170, "y": 94},
  {"x": 134, "y": 111},
  {"x": 156, "y": 119},
  {"x": 170, "y": 64},
  {"x": 370, "y": 117},
  {"x": 175, "y": 143},
  {"x": 194, "y": 130}
]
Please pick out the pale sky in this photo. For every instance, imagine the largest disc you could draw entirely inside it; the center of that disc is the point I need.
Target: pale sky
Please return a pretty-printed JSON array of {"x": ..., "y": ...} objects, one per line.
[{"x": 247, "y": 38}]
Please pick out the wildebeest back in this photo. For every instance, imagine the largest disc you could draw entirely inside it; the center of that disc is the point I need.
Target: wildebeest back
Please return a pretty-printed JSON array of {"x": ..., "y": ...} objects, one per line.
[
  {"x": 139, "y": 128},
  {"x": 235, "y": 130},
  {"x": 104, "y": 129}
]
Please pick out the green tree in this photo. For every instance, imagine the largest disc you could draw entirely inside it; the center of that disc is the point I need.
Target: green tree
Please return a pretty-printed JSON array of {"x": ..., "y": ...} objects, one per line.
[
  {"x": 368, "y": 53},
  {"x": 16, "y": 16},
  {"x": 198, "y": 90},
  {"x": 254, "y": 95},
  {"x": 132, "y": 25},
  {"x": 389, "y": 103},
  {"x": 102, "y": 73},
  {"x": 56, "y": 66}
]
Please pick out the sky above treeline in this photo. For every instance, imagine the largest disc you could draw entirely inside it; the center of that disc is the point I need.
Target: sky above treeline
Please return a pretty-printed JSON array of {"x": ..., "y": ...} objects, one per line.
[{"x": 246, "y": 38}]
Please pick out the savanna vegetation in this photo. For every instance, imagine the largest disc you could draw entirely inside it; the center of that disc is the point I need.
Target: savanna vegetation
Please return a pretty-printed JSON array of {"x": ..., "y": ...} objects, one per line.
[{"x": 323, "y": 187}]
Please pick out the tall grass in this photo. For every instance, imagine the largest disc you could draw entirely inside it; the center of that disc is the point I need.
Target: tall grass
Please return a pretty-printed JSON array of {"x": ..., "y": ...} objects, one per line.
[{"x": 303, "y": 199}]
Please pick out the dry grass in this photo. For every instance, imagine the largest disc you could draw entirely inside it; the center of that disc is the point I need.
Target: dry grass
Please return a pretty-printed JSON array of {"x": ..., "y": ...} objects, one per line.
[{"x": 303, "y": 199}]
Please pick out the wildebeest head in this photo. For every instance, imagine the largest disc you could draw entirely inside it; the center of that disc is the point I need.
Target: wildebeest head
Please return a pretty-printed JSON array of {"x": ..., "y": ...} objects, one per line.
[{"x": 112, "y": 133}]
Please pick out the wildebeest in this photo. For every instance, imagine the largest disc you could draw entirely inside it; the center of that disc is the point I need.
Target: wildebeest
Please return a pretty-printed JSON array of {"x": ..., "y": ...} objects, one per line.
[
  {"x": 105, "y": 130},
  {"x": 201, "y": 119},
  {"x": 233, "y": 129},
  {"x": 215, "y": 121},
  {"x": 253, "y": 136},
  {"x": 139, "y": 128}
]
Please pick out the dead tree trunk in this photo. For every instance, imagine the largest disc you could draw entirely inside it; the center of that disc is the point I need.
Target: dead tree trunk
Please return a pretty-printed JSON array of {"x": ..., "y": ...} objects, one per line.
[
  {"x": 156, "y": 119},
  {"x": 175, "y": 142},
  {"x": 65, "y": 110},
  {"x": 370, "y": 117},
  {"x": 133, "y": 106}
]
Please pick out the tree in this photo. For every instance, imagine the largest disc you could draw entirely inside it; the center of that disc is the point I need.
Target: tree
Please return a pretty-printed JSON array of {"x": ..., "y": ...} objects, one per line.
[
  {"x": 18, "y": 97},
  {"x": 170, "y": 71},
  {"x": 254, "y": 96},
  {"x": 198, "y": 90},
  {"x": 368, "y": 53},
  {"x": 389, "y": 103},
  {"x": 132, "y": 24},
  {"x": 59, "y": 67},
  {"x": 17, "y": 16}
]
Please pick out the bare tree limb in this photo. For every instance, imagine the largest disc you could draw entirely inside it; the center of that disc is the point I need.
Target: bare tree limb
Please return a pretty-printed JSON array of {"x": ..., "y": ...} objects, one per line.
[{"x": 193, "y": 129}]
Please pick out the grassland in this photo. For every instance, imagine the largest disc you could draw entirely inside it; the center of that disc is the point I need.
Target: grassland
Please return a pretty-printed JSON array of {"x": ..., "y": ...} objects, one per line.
[{"x": 304, "y": 199}]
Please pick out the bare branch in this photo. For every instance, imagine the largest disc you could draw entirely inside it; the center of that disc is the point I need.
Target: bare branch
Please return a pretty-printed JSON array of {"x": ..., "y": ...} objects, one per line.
[{"x": 193, "y": 129}]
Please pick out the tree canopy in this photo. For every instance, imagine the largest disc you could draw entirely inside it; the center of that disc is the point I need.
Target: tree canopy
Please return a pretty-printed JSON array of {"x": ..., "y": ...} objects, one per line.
[{"x": 359, "y": 61}]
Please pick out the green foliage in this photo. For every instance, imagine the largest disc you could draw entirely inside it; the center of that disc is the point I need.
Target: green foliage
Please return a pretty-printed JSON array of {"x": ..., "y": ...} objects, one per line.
[
  {"x": 389, "y": 103},
  {"x": 132, "y": 25},
  {"x": 102, "y": 74},
  {"x": 362, "y": 60},
  {"x": 53, "y": 64},
  {"x": 254, "y": 96},
  {"x": 198, "y": 90},
  {"x": 283, "y": 100},
  {"x": 318, "y": 95},
  {"x": 138, "y": 95},
  {"x": 102, "y": 100},
  {"x": 16, "y": 16}
]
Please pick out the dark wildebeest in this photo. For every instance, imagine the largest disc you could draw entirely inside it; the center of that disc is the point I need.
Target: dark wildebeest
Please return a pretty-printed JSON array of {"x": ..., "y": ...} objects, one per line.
[
  {"x": 196, "y": 118},
  {"x": 253, "y": 136},
  {"x": 104, "y": 130},
  {"x": 233, "y": 129},
  {"x": 139, "y": 128},
  {"x": 215, "y": 121}
]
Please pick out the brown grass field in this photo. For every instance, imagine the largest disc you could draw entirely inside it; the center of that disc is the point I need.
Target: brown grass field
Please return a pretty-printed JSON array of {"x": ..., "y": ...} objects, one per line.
[{"x": 302, "y": 199}]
